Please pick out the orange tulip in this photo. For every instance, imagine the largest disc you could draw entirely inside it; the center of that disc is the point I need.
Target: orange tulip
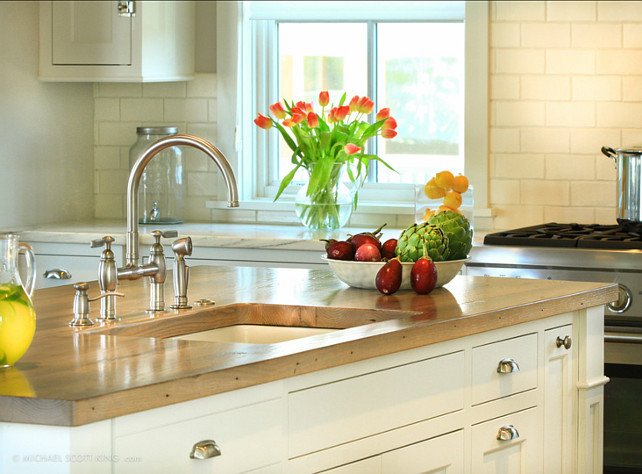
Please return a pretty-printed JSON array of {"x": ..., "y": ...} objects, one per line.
[
  {"x": 277, "y": 110},
  {"x": 313, "y": 120},
  {"x": 263, "y": 122},
  {"x": 351, "y": 149},
  {"x": 288, "y": 122},
  {"x": 298, "y": 115},
  {"x": 382, "y": 114},
  {"x": 324, "y": 98},
  {"x": 342, "y": 112},
  {"x": 304, "y": 106},
  {"x": 389, "y": 124},
  {"x": 365, "y": 105},
  {"x": 354, "y": 104},
  {"x": 388, "y": 133}
]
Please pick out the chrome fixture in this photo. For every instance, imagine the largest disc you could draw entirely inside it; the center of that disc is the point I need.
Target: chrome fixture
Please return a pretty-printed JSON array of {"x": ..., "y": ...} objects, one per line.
[
  {"x": 205, "y": 449},
  {"x": 155, "y": 267},
  {"x": 507, "y": 366},
  {"x": 181, "y": 247},
  {"x": 81, "y": 304},
  {"x": 107, "y": 278},
  {"x": 507, "y": 433}
]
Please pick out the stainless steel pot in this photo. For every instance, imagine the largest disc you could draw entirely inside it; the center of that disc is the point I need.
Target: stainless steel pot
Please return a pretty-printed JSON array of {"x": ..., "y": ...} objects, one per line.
[{"x": 628, "y": 163}]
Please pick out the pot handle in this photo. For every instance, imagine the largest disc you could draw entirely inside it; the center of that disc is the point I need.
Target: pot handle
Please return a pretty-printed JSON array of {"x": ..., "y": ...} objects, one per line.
[{"x": 610, "y": 152}]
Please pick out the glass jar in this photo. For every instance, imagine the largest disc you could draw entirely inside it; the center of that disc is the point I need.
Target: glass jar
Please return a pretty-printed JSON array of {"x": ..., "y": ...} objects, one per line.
[{"x": 162, "y": 187}]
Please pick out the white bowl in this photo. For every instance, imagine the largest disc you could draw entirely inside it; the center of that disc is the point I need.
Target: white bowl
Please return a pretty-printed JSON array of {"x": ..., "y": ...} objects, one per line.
[{"x": 363, "y": 274}]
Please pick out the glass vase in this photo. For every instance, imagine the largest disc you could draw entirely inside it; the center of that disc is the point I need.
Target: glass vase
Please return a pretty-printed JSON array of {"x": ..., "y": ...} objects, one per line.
[{"x": 328, "y": 206}]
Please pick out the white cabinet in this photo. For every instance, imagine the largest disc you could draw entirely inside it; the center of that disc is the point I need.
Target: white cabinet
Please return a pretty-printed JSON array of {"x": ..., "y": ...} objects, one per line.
[
  {"x": 412, "y": 411},
  {"x": 91, "y": 41},
  {"x": 508, "y": 445}
]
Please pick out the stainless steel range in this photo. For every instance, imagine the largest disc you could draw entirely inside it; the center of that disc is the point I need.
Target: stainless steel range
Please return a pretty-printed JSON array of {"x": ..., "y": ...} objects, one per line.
[{"x": 601, "y": 253}]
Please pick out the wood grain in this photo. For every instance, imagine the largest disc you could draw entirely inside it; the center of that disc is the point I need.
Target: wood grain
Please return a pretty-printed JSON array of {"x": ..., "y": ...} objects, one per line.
[{"x": 82, "y": 375}]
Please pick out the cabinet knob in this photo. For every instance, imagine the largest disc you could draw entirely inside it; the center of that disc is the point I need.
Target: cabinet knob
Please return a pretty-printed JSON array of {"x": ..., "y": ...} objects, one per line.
[
  {"x": 506, "y": 366},
  {"x": 205, "y": 449},
  {"x": 566, "y": 342},
  {"x": 507, "y": 433}
]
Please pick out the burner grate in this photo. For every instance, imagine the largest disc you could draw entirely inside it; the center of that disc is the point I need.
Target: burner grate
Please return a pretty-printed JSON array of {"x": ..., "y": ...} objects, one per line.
[{"x": 553, "y": 234}]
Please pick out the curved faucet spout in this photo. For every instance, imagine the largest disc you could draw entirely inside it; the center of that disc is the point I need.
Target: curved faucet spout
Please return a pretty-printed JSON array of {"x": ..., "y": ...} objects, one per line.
[{"x": 137, "y": 171}]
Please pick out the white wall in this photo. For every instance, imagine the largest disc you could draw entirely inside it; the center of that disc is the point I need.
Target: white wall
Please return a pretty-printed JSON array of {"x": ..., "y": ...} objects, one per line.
[{"x": 46, "y": 132}]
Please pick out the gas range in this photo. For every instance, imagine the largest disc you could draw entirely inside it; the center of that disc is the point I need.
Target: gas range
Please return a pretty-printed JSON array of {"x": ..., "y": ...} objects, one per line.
[{"x": 554, "y": 251}]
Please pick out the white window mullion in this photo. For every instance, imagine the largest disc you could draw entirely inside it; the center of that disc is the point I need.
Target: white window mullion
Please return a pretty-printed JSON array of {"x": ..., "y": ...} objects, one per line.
[{"x": 372, "y": 92}]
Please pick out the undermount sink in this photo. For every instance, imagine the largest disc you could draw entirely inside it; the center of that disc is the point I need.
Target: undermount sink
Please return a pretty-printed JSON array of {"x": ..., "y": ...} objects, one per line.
[
  {"x": 254, "y": 334},
  {"x": 248, "y": 323}
]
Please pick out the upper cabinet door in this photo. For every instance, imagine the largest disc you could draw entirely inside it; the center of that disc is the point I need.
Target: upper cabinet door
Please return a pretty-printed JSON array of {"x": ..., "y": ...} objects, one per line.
[{"x": 90, "y": 33}]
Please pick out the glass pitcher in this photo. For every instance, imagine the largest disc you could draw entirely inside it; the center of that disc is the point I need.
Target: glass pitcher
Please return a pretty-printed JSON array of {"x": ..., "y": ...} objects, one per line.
[{"x": 17, "y": 316}]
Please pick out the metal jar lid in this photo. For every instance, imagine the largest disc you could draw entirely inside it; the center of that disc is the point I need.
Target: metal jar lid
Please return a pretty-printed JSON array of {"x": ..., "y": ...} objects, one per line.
[{"x": 156, "y": 130}]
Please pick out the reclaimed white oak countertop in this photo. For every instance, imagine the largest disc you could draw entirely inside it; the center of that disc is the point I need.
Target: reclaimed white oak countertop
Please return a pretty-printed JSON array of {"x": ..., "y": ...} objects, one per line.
[{"x": 77, "y": 376}]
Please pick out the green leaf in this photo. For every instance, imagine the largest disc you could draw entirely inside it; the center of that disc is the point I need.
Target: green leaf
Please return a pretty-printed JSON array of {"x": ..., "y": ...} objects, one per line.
[
  {"x": 375, "y": 157},
  {"x": 320, "y": 174},
  {"x": 343, "y": 99},
  {"x": 288, "y": 139},
  {"x": 286, "y": 181},
  {"x": 372, "y": 129}
]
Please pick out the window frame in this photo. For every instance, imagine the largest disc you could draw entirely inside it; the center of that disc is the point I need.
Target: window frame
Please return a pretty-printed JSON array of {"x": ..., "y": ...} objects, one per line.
[{"x": 252, "y": 165}]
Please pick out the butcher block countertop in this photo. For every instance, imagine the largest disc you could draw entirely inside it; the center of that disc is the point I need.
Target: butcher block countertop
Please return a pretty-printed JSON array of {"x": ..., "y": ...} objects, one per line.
[{"x": 76, "y": 376}]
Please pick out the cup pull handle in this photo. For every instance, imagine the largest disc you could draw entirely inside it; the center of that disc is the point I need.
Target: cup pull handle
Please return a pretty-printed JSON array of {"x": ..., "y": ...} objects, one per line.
[
  {"x": 57, "y": 274},
  {"x": 506, "y": 366},
  {"x": 507, "y": 433},
  {"x": 205, "y": 449}
]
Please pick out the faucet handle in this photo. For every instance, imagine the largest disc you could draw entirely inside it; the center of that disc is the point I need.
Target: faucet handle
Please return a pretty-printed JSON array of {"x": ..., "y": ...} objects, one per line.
[
  {"x": 106, "y": 241},
  {"x": 168, "y": 234},
  {"x": 81, "y": 304}
]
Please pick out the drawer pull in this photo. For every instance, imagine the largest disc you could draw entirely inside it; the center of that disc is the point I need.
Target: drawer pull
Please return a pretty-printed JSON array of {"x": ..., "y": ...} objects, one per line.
[
  {"x": 57, "y": 274},
  {"x": 566, "y": 342},
  {"x": 506, "y": 366},
  {"x": 507, "y": 433},
  {"x": 205, "y": 449}
]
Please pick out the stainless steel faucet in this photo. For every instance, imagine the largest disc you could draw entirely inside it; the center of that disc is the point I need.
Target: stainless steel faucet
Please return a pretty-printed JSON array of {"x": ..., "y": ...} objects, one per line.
[{"x": 155, "y": 267}]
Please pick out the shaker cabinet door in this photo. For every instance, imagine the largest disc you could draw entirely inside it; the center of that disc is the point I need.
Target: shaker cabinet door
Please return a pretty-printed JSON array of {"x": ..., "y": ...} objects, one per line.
[{"x": 90, "y": 33}]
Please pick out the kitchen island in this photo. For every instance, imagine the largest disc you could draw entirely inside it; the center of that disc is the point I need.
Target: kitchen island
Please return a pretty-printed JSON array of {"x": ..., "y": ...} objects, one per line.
[{"x": 400, "y": 378}]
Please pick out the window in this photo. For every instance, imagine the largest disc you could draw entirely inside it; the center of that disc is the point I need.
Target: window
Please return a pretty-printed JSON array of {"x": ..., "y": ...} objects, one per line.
[{"x": 414, "y": 57}]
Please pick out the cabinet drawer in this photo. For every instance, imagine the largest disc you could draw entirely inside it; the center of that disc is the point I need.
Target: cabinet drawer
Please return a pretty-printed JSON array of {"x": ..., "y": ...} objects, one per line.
[
  {"x": 521, "y": 454},
  {"x": 248, "y": 437},
  {"x": 489, "y": 383},
  {"x": 345, "y": 410}
]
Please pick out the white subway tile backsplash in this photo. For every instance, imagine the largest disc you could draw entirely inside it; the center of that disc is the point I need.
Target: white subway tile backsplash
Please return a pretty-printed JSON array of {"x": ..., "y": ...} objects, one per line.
[
  {"x": 592, "y": 193},
  {"x": 632, "y": 35},
  {"x": 596, "y": 88},
  {"x": 630, "y": 137},
  {"x": 605, "y": 215},
  {"x": 632, "y": 88},
  {"x": 619, "y": 114},
  {"x": 597, "y": 35},
  {"x": 110, "y": 206},
  {"x": 545, "y": 140},
  {"x": 619, "y": 61},
  {"x": 204, "y": 86},
  {"x": 504, "y": 86},
  {"x": 546, "y": 87},
  {"x": 531, "y": 10},
  {"x": 117, "y": 133},
  {"x": 141, "y": 110},
  {"x": 505, "y": 35},
  {"x": 558, "y": 10},
  {"x": 505, "y": 191},
  {"x": 619, "y": 11},
  {"x": 570, "y": 114},
  {"x": 545, "y": 192},
  {"x": 106, "y": 158},
  {"x": 570, "y": 167},
  {"x": 605, "y": 167},
  {"x": 186, "y": 110},
  {"x": 504, "y": 140},
  {"x": 584, "y": 215},
  {"x": 518, "y": 113},
  {"x": 107, "y": 108},
  {"x": 201, "y": 183},
  {"x": 570, "y": 61},
  {"x": 591, "y": 140},
  {"x": 118, "y": 89},
  {"x": 164, "y": 89},
  {"x": 512, "y": 216},
  {"x": 518, "y": 165},
  {"x": 519, "y": 61},
  {"x": 546, "y": 35}
]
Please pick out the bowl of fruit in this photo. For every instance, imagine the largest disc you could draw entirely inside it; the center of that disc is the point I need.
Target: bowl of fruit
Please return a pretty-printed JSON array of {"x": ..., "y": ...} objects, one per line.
[{"x": 425, "y": 256}]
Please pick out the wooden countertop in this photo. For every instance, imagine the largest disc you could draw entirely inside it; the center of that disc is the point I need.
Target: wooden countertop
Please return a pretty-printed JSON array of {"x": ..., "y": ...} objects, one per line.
[{"x": 76, "y": 376}]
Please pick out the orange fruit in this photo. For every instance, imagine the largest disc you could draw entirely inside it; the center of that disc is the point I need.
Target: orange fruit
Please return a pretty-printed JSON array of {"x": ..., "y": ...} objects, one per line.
[
  {"x": 433, "y": 191},
  {"x": 428, "y": 214},
  {"x": 452, "y": 200},
  {"x": 446, "y": 208},
  {"x": 460, "y": 183},
  {"x": 444, "y": 179}
]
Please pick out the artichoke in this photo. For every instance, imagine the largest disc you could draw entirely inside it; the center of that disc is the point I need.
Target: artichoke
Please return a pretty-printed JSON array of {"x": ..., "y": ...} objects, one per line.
[
  {"x": 457, "y": 229},
  {"x": 422, "y": 239}
]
